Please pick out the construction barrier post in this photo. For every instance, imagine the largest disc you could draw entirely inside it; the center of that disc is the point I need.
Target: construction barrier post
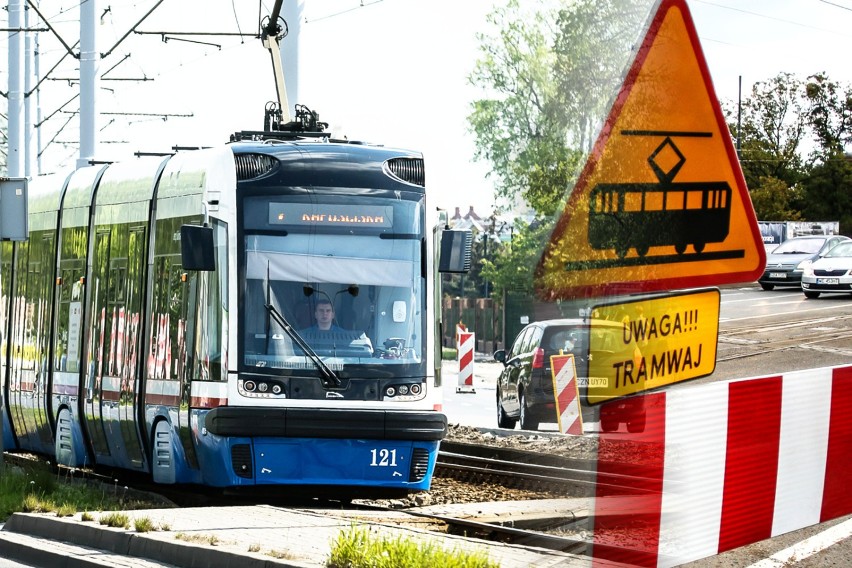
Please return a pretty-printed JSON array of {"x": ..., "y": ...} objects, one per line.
[
  {"x": 465, "y": 354},
  {"x": 566, "y": 393}
]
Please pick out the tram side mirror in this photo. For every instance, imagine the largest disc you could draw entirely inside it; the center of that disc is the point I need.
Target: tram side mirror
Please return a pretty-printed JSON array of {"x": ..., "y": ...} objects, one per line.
[
  {"x": 455, "y": 251},
  {"x": 196, "y": 248}
]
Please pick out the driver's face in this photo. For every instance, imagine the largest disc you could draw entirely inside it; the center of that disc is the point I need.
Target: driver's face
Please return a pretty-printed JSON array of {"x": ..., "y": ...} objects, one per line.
[{"x": 324, "y": 314}]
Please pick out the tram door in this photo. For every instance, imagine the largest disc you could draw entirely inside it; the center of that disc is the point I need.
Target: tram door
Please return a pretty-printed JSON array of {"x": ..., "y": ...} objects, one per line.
[
  {"x": 5, "y": 317},
  {"x": 169, "y": 365},
  {"x": 28, "y": 393},
  {"x": 113, "y": 380}
]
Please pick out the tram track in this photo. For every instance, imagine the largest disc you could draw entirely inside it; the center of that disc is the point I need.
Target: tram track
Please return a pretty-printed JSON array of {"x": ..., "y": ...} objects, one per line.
[
  {"x": 533, "y": 470},
  {"x": 804, "y": 334}
]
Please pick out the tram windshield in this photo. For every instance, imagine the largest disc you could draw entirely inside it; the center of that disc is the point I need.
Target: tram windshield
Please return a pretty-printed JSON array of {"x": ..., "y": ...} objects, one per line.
[{"x": 344, "y": 275}]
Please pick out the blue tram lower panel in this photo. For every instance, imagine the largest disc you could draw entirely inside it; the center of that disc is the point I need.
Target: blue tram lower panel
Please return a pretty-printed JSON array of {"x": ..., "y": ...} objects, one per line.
[
  {"x": 312, "y": 461},
  {"x": 383, "y": 449}
]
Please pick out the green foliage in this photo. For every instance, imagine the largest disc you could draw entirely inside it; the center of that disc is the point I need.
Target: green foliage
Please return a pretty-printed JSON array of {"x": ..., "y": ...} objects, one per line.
[
  {"x": 774, "y": 199},
  {"x": 549, "y": 75},
  {"x": 771, "y": 132},
  {"x": 143, "y": 524},
  {"x": 828, "y": 191},
  {"x": 830, "y": 114},
  {"x": 514, "y": 268},
  {"x": 357, "y": 548},
  {"x": 115, "y": 520},
  {"x": 35, "y": 488},
  {"x": 449, "y": 354}
]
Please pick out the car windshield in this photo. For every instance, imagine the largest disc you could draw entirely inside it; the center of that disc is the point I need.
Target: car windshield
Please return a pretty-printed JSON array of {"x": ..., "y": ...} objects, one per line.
[
  {"x": 843, "y": 249},
  {"x": 800, "y": 246}
]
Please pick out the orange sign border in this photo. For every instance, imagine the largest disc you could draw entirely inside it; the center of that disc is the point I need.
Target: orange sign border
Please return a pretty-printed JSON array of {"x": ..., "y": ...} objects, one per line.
[{"x": 662, "y": 284}]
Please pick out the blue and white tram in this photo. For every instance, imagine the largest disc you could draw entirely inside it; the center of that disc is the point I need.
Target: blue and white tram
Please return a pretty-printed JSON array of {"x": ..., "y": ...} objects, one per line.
[{"x": 161, "y": 318}]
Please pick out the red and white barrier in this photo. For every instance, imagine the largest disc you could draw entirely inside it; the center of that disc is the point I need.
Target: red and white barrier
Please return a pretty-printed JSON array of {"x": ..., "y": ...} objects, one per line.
[
  {"x": 567, "y": 394},
  {"x": 731, "y": 463},
  {"x": 465, "y": 354}
]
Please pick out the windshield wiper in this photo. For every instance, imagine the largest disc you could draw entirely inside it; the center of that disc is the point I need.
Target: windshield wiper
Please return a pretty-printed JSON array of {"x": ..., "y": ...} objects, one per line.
[{"x": 329, "y": 379}]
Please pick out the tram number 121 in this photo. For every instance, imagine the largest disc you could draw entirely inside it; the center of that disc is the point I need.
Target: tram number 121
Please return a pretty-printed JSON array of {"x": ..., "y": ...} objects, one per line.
[{"x": 383, "y": 458}]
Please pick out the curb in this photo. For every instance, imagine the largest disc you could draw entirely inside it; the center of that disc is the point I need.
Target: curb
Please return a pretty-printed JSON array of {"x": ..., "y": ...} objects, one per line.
[{"x": 120, "y": 542}]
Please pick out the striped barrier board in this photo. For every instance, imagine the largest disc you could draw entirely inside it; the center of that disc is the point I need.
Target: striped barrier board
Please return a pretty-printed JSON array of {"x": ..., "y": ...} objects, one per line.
[
  {"x": 465, "y": 354},
  {"x": 731, "y": 463},
  {"x": 566, "y": 394}
]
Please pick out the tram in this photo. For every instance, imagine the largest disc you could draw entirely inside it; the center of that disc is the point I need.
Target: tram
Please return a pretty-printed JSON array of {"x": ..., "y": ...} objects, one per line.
[
  {"x": 642, "y": 215},
  {"x": 163, "y": 317}
]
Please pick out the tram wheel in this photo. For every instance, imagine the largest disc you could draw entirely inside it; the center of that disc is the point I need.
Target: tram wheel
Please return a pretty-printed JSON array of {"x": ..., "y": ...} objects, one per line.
[
  {"x": 698, "y": 246},
  {"x": 642, "y": 250},
  {"x": 621, "y": 251},
  {"x": 680, "y": 248}
]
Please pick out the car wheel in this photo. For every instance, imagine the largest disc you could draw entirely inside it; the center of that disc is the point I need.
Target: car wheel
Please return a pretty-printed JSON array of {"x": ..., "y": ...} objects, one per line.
[
  {"x": 812, "y": 295},
  {"x": 609, "y": 422},
  {"x": 503, "y": 421},
  {"x": 636, "y": 424},
  {"x": 528, "y": 422},
  {"x": 767, "y": 286}
]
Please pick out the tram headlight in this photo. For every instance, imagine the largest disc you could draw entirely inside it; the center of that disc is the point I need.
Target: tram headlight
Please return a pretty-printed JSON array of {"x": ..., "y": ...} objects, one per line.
[
  {"x": 263, "y": 387},
  {"x": 416, "y": 389},
  {"x": 403, "y": 389},
  {"x": 249, "y": 386},
  {"x": 276, "y": 389},
  {"x": 390, "y": 391}
]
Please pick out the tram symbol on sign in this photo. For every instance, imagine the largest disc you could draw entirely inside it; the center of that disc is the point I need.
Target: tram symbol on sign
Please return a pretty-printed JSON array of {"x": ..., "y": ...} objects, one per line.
[{"x": 667, "y": 213}]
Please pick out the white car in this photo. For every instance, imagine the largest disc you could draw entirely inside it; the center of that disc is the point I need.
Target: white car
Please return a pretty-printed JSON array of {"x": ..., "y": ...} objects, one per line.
[{"x": 831, "y": 273}]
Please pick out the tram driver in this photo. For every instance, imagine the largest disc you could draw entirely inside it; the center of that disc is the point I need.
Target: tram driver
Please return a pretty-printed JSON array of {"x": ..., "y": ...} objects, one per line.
[{"x": 325, "y": 333}]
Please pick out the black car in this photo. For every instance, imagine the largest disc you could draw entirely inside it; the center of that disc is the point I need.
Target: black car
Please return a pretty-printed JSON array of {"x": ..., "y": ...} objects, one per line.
[
  {"x": 525, "y": 386},
  {"x": 785, "y": 264}
]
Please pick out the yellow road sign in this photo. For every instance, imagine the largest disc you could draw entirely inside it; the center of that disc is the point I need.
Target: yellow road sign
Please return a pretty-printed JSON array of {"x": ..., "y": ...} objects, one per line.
[
  {"x": 661, "y": 202},
  {"x": 661, "y": 341}
]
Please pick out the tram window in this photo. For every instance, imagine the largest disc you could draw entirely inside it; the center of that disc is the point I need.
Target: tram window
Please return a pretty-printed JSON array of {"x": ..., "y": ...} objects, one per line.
[
  {"x": 213, "y": 311},
  {"x": 674, "y": 200},
  {"x": 654, "y": 201},
  {"x": 633, "y": 201},
  {"x": 693, "y": 199}
]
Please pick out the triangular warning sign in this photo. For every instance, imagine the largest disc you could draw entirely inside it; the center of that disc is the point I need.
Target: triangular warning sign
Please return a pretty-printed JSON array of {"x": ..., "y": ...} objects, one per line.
[{"x": 661, "y": 202}]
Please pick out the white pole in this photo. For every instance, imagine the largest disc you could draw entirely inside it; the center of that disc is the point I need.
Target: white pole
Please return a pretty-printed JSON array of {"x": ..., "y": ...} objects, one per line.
[
  {"x": 292, "y": 14},
  {"x": 15, "y": 133},
  {"x": 30, "y": 138},
  {"x": 89, "y": 83}
]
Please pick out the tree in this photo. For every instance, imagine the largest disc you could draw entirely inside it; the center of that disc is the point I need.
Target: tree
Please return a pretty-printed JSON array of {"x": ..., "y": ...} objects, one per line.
[
  {"x": 828, "y": 187},
  {"x": 550, "y": 75},
  {"x": 512, "y": 268},
  {"x": 774, "y": 200},
  {"x": 830, "y": 114},
  {"x": 773, "y": 126}
]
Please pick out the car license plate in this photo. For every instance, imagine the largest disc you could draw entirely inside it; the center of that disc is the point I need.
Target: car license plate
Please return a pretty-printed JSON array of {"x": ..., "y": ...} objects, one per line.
[
  {"x": 778, "y": 275},
  {"x": 828, "y": 281}
]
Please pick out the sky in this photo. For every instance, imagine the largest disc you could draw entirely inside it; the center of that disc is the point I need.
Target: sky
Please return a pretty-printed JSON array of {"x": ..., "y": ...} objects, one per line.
[{"x": 392, "y": 72}]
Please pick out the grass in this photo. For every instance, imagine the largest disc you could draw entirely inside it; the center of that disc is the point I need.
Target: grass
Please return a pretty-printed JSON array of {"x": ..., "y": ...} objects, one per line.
[
  {"x": 143, "y": 524},
  {"x": 210, "y": 539},
  {"x": 357, "y": 548},
  {"x": 35, "y": 488},
  {"x": 115, "y": 520}
]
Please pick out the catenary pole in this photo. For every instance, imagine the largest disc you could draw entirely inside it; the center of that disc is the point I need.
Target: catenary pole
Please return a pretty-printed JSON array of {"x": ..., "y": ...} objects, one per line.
[
  {"x": 89, "y": 82},
  {"x": 15, "y": 130}
]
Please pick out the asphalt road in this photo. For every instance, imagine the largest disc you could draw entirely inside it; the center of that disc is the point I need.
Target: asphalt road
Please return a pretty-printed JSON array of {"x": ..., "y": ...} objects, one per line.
[{"x": 761, "y": 333}]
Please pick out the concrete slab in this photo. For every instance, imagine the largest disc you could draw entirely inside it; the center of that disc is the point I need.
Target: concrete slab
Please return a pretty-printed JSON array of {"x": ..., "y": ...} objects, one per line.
[{"x": 247, "y": 537}]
